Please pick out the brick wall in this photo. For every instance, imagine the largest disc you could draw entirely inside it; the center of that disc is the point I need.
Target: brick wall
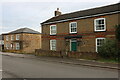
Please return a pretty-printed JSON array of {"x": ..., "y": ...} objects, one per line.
[
  {"x": 31, "y": 42},
  {"x": 28, "y": 42},
  {"x": 85, "y": 27},
  {"x": 79, "y": 55}
]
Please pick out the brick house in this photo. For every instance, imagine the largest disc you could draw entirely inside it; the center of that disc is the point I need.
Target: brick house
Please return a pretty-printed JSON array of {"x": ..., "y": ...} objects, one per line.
[
  {"x": 23, "y": 40},
  {"x": 1, "y": 43},
  {"x": 81, "y": 31}
]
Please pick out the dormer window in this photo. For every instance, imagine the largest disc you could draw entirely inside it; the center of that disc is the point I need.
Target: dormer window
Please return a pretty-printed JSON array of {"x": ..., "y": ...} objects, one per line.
[
  {"x": 73, "y": 27},
  {"x": 99, "y": 24},
  {"x": 53, "y": 30}
]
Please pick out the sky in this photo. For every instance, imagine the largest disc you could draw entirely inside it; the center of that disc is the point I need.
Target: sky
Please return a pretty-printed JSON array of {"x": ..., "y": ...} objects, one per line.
[{"x": 15, "y": 14}]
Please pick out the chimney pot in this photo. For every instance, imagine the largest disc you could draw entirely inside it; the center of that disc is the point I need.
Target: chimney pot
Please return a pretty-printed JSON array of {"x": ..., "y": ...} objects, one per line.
[
  {"x": 57, "y": 9},
  {"x": 57, "y": 13}
]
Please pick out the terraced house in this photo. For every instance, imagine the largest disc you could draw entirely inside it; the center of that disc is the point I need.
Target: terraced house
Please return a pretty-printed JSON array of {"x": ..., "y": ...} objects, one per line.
[
  {"x": 81, "y": 31},
  {"x": 23, "y": 40}
]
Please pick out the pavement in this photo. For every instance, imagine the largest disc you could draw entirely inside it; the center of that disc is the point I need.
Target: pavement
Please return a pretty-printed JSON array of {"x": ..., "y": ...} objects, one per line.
[{"x": 82, "y": 62}]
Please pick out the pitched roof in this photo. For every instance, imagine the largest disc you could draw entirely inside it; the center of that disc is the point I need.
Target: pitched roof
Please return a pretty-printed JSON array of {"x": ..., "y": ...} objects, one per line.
[
  {"x": 24, "y": 30},
  {"x": 89, "y": 12}
]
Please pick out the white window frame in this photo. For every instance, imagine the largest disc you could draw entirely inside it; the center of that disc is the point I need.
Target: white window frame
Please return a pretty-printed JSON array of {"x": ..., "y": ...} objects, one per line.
[
  {"x": 74, "y": 27},
  {"x": 51, "y": 45},
  {"x": 97, "y": 42},
  {"x": 51, "y": 30},
  {"x": 7, "y": 38},
  {"x": 17, "y": 46},
  {"x": 17, "y": 36},
  {"x": 12, "y": 37},
  {"x": 95, "y": 24},
  {"x": 11, "y": 45}
]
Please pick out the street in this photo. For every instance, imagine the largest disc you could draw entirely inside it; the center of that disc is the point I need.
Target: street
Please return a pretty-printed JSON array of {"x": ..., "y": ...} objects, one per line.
[{"x": 15, "y": 67}]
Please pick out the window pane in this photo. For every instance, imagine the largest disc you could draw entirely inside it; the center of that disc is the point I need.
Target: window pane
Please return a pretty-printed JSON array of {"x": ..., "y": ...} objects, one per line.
[
  {"x": 53, "y": 44},
  {"x": 100, "y": 24},
  {"x": 102, "y": 21},
  {"x": 73, "y": 27},
  {"x": 53, "y": 29}
]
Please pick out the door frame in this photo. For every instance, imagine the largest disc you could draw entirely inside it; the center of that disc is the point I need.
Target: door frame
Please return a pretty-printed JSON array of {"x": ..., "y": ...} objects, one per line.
[{"x": 72, "y": 40}]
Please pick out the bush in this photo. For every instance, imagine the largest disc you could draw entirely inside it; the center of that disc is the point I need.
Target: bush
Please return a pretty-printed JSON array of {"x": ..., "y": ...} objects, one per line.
[
  {"x": 109, "y": 50},
  {"x": 117, "y": 32}
]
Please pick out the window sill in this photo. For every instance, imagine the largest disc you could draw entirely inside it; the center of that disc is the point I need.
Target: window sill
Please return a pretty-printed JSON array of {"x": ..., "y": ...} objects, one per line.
[
  {"x": 53, "y": 34},
  {"x": 100, "y": 31},
  {"x": 73, "y": 33}
]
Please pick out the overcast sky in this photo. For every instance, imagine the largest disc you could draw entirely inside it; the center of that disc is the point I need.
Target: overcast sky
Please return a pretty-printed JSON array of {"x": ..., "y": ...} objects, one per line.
[{"x": 15, "y": 14}]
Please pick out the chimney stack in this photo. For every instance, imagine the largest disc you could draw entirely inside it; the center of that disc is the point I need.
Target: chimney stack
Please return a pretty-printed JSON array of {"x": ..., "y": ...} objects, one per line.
[{"x": 57, "y": 13}]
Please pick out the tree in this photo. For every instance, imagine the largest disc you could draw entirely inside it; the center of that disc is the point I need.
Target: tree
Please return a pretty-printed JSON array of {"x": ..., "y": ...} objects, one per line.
[{"x": 117, "y": 32}]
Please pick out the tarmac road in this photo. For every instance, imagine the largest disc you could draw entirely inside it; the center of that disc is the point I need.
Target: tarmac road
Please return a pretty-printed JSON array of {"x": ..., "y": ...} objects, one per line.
[{"x": 15, "y": 67}]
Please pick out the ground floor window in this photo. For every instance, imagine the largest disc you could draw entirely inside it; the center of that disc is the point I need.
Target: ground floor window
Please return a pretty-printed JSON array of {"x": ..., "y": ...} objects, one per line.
[
  {"x": 11, "y": 45},
  {"x": 99, "y": 42},
  {"x": 53, "y": 45},
  {"x": 73, "y": 45},
  {"x": 17, "y": 46},
  {"x": 7, "y": 46}
]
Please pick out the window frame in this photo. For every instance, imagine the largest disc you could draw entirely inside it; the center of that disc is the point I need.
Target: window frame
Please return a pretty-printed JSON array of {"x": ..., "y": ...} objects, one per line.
[
  {"x": 7, "y": 37},
  {"x": 17, "y": 36},
  {"x": 7, "y": 46},
  {"x": 96, "y": 24},
  {"x": 12, "y": 37},
  {"x": 17, "y": 47},
  {"x": 70, "y": 27},
  {"x": 51, "y": 46},
  {"x": 97, "y": 42},
  {"x": 51, "y": 30}
]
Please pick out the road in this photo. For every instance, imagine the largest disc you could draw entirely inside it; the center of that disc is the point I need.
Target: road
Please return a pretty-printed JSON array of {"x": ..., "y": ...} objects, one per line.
[{"x": 15, "y": 67}]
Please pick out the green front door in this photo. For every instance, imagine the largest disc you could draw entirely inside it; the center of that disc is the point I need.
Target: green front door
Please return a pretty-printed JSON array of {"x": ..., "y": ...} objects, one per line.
[{"x": 73, "y": 45}]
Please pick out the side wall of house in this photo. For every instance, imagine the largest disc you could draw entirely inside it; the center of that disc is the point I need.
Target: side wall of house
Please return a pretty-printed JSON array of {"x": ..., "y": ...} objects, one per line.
[
  {"x": 31, "y": 42},
  {"x": 85, "y": 27}
]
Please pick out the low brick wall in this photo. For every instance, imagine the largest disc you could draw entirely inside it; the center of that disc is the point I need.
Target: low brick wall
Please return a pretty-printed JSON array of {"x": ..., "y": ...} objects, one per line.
[
  {"x": 39, "y": 52},
  {"x": 79, "y": 55}
]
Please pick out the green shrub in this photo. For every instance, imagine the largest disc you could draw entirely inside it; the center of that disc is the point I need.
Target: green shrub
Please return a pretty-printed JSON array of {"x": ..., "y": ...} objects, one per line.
[
  {"x": 109, "y": 50},
  {"x": 117, "y": 31}
]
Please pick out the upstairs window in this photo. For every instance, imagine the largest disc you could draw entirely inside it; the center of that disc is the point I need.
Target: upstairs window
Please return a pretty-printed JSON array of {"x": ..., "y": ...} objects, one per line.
[
  {"x": 17, "y": 37},
  {"x": 12, "y": 37},
  {"x": 7, "y": 37},
  {"x": 73, "y": 27},
  {"x": 53, "y": 29},
  {"x": 99, "y": 24},
  {"x": 53, "y": 45}
]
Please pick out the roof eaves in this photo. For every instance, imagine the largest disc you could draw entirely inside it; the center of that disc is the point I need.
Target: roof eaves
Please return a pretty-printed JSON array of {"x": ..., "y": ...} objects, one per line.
[{"x": 80, "y": 18}]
